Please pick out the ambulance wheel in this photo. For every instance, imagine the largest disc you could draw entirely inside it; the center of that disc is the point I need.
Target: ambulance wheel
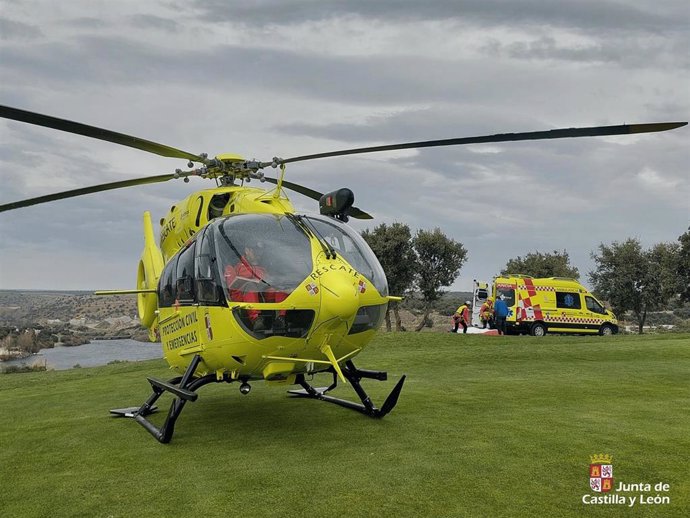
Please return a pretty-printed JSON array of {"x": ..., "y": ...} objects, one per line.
[
  {"x": 606, "y": 330},
  {"x": 537, "y": 329}
]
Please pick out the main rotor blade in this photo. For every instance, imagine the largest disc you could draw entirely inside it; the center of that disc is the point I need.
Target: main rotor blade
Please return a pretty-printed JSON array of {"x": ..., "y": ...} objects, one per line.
[
  {"x": 86, "y": 190},
  {"x": 316, "y": 195},
  {"x": 594, "y": 131},
  {"x": 98, "y": 133}
]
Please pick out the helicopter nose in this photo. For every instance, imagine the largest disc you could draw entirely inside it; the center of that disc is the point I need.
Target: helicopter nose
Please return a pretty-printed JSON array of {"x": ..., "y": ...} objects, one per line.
[{"x": 339, "y": 295}]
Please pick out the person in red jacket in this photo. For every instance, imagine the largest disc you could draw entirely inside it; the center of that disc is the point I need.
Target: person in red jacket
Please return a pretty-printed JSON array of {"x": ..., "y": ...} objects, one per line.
[
  {"x": 462, "y": 317},
  {"x": 246, "y": 282},
  {"x": 486, "y": 313}
]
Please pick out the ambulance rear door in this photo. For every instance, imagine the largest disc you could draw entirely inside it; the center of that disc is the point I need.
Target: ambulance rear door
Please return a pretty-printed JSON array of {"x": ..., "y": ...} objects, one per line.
[{"x": 480, "y": 293}]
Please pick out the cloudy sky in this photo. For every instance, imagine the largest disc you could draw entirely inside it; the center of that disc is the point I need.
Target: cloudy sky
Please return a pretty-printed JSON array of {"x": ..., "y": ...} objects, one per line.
[{"x": 285, "y": 78}]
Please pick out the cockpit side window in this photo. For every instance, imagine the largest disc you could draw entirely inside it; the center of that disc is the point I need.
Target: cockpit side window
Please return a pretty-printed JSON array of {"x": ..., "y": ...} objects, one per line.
[{"x": 217, "y": 205}]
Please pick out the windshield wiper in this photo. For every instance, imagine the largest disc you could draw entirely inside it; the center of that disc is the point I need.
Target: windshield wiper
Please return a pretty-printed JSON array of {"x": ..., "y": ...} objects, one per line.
[
  {"x": 307, "y": 225},
  {"x": 244, "y": 261}
]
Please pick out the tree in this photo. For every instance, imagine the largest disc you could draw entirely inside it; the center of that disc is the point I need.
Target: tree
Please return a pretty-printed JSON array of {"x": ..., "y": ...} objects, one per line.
[
  {"x": 439, "y": 261},
  {"x": 537, "y": 264},
  {"x": 26, "y": 341},
  {"x": 633, "y": 279},
  {"x": 663, "y": 263},
  {"x": 393, "y": 247},
  {"x": 683, "y": 266}
]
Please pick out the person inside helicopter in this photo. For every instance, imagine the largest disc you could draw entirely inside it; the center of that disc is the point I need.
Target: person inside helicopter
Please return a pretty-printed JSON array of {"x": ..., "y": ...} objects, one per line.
[{"x": 247, "y": 282}]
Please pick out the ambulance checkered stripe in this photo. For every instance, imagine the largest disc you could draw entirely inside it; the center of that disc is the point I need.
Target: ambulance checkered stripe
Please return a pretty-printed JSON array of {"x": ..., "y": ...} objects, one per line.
[
  {"x": 545, "y": 288},
  {"x": 574, "y": 320}
]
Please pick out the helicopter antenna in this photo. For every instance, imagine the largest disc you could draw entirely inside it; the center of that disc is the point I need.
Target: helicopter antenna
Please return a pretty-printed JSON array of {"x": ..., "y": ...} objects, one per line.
[{"x": 279, "y": 184}]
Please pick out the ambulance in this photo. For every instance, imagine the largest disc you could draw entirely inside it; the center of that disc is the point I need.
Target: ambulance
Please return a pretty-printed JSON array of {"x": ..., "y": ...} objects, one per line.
[{"x": 553, "y": 305}]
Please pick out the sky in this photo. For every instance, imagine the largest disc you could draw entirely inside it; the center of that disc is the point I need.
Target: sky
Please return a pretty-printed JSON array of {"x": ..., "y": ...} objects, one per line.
[{"x": 285, "y": 78}]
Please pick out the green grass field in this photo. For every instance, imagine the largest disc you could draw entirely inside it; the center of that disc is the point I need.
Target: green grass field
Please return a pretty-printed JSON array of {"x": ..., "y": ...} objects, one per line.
[{"x": 485, "y": 426}]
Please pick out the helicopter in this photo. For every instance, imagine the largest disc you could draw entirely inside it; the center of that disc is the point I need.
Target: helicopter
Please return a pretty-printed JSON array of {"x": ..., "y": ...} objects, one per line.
[{"x": 240, "y": 287}]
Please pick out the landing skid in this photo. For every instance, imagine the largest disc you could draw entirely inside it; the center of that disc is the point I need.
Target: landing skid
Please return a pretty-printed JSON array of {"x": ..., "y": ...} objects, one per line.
[
  {"x": 354, "y": 376},
  {"x": 131, "y": 411},
  {"x": 184, "y": 389}
]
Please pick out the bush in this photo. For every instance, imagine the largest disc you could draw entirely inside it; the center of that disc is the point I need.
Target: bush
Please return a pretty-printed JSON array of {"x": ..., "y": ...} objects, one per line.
[
  {"x": 14, "y": 369},
  {"x": 683, "y": 312},
  {"x": 662, "y": 318},
  {"x": 445, "y": 306},
  {"x": 682, "y": 327}
]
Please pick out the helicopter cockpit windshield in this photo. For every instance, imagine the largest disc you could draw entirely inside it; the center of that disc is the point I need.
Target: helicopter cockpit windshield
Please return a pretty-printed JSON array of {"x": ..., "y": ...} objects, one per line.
[
  {"x": 262, "y": 257},
  {"x": 265, "y": 257}
]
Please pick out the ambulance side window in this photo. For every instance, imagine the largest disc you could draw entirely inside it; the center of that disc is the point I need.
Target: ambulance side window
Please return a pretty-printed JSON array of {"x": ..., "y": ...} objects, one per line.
[
  {"x": 508, "y": 295},
  {"x": 594, "y": 306},
  {"x": 565, "y": 300}
]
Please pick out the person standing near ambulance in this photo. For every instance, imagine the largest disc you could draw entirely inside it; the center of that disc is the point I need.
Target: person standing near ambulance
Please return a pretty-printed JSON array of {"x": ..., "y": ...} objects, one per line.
[
  {"x": 500, "y": 314},
  {"x": 462, "y": 317},
  {"x": 486, "y": 313}
]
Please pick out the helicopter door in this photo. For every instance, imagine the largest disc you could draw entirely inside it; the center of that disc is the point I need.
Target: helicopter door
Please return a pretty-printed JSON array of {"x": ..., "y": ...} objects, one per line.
[
  {"x": 209, "y": 290},
  {"x": 179, "y": 326}
]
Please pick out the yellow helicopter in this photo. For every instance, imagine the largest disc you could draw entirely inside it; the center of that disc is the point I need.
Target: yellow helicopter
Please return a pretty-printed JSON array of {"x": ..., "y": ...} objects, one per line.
[{"x": 241, "y": 288}]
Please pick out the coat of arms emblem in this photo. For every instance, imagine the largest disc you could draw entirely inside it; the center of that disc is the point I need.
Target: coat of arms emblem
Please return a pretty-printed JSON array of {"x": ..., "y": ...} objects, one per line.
[{"x": 601, "y": 472}]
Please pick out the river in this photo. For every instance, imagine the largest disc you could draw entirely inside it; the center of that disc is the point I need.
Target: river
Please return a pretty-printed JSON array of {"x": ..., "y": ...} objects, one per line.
[{"x": 98, "y": 352}]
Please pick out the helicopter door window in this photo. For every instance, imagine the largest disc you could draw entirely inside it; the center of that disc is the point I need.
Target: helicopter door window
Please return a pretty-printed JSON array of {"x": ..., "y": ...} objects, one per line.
[
  {"x": 208, "y": 288},
  {"x": 167, "y": 292},
  {"x": 184, "y": 278}
]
